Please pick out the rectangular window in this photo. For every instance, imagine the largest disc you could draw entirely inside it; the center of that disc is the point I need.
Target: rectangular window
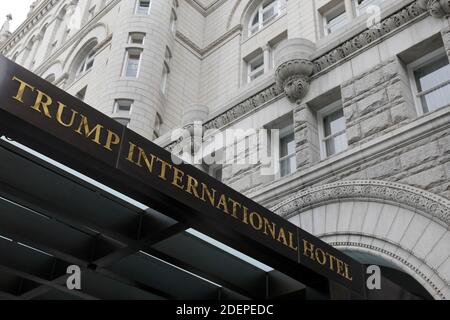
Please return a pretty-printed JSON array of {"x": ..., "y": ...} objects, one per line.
[
  {"x": 136, "y": 38},
  {"x": 432, "y": 81},
  {"x": 335, "y": 18},
  {"x": 256, "y": 68},
  {"x": 123, "y": 106},
  {"x": 143, "y": 7},
  {"x": 132, "y": 63},
  {"x": 333, "y": 130},
  {"x": 269, "y": 11},
  {"x": 288, "y": 163}
]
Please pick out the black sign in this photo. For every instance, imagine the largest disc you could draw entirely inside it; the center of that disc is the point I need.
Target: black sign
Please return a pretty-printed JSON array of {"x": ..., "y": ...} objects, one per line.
[{"x": 40, "y": 115}]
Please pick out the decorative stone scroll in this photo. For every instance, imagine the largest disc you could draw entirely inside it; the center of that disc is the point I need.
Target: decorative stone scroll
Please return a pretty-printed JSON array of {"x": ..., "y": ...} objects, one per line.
[{"x": 431, "y": 204}]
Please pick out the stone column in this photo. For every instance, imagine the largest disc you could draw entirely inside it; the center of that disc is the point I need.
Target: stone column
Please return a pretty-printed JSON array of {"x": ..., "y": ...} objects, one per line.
[
  {"x": 266, "y": 52},
  {"x": 293, "y": 70},
  {"x": 349, "y": 9},
  {"x": 306, "y": 136}
]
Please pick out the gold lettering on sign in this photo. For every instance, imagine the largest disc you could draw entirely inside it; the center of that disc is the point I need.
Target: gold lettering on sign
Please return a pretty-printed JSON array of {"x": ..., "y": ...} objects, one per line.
[
  {"x": 324, "y": 258},
  {"x": 23, "y": 86},
  {"x": 64, "y": 116},
  {"x": 200, "y": 190}
]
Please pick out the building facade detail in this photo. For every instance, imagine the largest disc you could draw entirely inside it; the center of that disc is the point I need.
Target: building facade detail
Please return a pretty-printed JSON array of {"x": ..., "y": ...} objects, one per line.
[
  {"x": 294, "y": 67},
  {"x": 404, "y": 195},
  {"x": 361, "y": 129},
  {"x": 436, "y": 8}
]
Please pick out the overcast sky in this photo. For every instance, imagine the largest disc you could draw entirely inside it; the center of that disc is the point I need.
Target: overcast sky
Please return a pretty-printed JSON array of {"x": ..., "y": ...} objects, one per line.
[{"x": 18, "y": 9}]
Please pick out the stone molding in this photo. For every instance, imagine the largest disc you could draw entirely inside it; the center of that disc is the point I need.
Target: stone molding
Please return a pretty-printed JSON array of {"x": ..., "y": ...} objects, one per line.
[
  {"x": 436, "y": 8},
  {"x": 365, "y": 38},
  {"x": 394, "y": 256},
  {"x": 28, "y": 24},
  {"x": 417, "y": 199}
]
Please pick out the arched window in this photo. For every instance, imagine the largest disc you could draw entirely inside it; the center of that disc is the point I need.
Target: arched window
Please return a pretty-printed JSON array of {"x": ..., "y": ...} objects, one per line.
[
  {"x": 265, "y": 13},
  {"x": 83, "y": 60},
  {"x": 86, "y": 63}
]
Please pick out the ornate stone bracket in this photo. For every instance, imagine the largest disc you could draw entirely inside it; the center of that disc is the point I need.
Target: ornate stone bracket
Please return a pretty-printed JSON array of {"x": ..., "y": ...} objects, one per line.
[
  {"x": 431, "y": 204},
  {"x": 436, "y": 8},
  {"x": 294, "y": 67}
]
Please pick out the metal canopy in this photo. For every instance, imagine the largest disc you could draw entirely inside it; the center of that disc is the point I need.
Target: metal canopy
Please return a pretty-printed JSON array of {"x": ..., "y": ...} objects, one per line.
[{"x": 51, "y": 219}]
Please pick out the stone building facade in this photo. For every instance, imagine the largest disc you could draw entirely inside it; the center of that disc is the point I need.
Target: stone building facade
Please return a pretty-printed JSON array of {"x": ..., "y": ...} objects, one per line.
[{"x": 360, "y": 90}]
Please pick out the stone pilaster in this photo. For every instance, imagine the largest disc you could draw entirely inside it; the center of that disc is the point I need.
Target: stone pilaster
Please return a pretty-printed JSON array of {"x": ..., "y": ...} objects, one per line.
[{"x": 306, "y": 136}]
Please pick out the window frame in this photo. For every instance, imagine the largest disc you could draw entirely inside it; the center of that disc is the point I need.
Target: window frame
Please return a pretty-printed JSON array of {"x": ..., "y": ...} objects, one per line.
[
  {"x": 120, "y": 113},
  {"x": 138, "y": 7},
  {"x": 326, "y": 13},
  {"x": 262, "y": 68},
  {"x": 259, "y": 11},
  {"x": 132, "y": 34},
  {"x": 88, "y": 59},
  {"x": 284, "y": 132},
  {"x": 321, "y": 115},
  {"x": 417, "y": 64},
  {"x": 129, "y": 51}
]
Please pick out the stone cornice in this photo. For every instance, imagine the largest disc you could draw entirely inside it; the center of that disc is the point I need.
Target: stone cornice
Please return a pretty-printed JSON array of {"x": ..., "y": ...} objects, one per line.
[
  {"x": 205, "y": 11},
  {"x": 369, "y": 36},
  {"x": 28, "y": 24}
]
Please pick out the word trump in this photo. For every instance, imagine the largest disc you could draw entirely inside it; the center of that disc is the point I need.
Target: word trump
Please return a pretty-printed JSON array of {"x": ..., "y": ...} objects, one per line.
[{"x": 67, "y": 117}]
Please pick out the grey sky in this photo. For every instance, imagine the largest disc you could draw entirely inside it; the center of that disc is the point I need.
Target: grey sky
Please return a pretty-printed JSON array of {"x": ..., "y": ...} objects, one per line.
[{"x": 18, "y": 9}]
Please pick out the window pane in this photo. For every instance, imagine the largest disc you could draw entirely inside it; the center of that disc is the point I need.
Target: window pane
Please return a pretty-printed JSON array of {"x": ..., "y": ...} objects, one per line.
[
  {"x": 433, "y": 74},
  {"x": 336, "y": 144},
  {"x": 436, "y": 99},
  {"x": 133, "y": 65},
  {"x": 430, "y": 76},
  {"x": 257, "y": 63},
  {"x": 287, "y": 145},
  {"x": 334, "y": 123},
  {"x": 123, "y": 106},
  {"x": 287, "y": 166},
  {"x": 268, "y": 14}
]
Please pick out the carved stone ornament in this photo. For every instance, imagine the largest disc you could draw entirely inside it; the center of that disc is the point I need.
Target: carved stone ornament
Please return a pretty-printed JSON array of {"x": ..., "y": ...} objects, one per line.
[
  {"x": 417, "y": 199},
  {"x": 436, "y": 8},
  {"x": 294, "y": 67}
]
